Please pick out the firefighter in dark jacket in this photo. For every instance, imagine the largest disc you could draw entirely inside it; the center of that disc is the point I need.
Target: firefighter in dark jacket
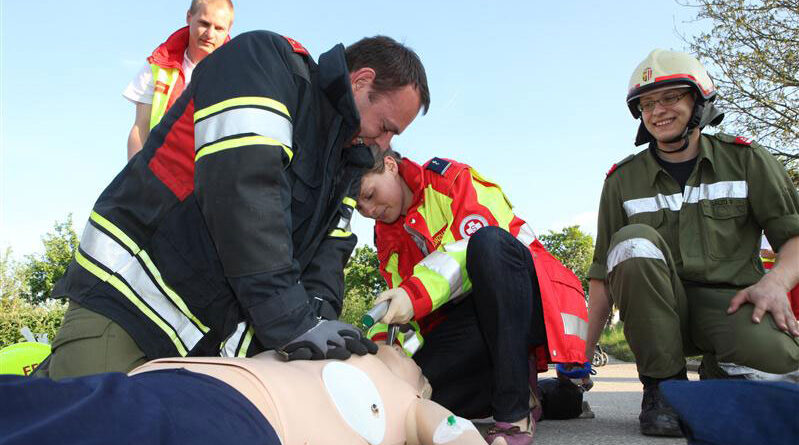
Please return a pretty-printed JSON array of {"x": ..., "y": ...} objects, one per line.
[{"x": 228, "y": 233}]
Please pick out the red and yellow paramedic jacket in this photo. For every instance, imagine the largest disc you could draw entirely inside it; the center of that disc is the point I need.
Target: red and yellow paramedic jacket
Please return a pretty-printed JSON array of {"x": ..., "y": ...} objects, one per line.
[{"x": 425, "y": 252}]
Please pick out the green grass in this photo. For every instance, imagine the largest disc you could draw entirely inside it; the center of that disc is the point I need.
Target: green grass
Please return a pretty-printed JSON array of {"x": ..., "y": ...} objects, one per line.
[{"x": 614, "y": 343}]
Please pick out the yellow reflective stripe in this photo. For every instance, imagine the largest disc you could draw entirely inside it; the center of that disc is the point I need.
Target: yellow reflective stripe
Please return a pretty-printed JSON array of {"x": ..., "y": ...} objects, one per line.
[
  {"x": 171, "y": 293},
  {"x": 349, "y": 202},
  {"x": 494, "y": 200},
  {"x": 377, "y": 328},
  {"x": 241, "y": 142},
  {"x": 339, "y": 233},
  {"x": 125, "y": 290},
  {"x": 91, "y": 267},
  {"x": 436, "y": 209},
  {"x": 242, "y": 101},
  {"x": 457, "y": 251},
  {"x": 392, "y": 267},
  {"x": 245, "y": 345},
  {"x": 114, "y": 230},
  {"x": 437, "y": 286},
  {"x": 161, "y": 100},
  {"x": 125, "y": 239}
]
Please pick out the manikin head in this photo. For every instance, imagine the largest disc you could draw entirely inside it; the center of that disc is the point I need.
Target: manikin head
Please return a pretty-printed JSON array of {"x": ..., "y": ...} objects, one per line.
[
  {"x": 209, "y": 25},
  {"x": 384, "y": 196},
  {"x": 389, "y": 85}
]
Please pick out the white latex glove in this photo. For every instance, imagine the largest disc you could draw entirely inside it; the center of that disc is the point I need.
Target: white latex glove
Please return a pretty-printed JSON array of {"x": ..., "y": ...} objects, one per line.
[{"x": 400, "y": 309}]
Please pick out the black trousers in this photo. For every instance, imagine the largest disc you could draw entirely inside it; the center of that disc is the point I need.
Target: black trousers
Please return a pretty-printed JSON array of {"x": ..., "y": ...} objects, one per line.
[{"x": 477, "y": 358}]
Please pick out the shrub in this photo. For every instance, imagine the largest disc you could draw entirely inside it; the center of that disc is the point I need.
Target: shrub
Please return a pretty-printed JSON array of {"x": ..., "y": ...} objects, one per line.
[
  {"x": 614, "y": 343},
  {"x": 362, "y": 282},
  {"x": 15, "y": 313}
]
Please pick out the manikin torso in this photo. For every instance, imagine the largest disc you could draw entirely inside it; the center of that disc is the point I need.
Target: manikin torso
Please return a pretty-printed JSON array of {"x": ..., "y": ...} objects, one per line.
[{"x": 376, "y": 399}]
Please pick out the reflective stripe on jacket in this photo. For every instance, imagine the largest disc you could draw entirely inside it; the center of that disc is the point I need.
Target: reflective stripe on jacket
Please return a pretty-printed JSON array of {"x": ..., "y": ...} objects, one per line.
[{"x": 425, "y": 252}]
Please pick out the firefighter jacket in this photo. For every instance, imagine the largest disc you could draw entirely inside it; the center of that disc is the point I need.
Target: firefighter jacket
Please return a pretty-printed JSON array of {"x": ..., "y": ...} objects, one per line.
[
  {"x": 243, "y": 233},
  {"x": 425, "y": 252}
]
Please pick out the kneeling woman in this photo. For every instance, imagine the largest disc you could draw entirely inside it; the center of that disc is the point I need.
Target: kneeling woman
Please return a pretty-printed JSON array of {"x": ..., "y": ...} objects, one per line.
[{"x": 493, "y": 305}]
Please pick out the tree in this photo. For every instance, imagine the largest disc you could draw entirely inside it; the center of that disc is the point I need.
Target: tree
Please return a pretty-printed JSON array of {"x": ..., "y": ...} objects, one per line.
[
  {"x": 12, "y": 279},
  {"x": 42, "y": 271},
  {"x": 752, "y": 52},
  {"x": 362, "y": 282},
  {"x": 573, "y": 248}
]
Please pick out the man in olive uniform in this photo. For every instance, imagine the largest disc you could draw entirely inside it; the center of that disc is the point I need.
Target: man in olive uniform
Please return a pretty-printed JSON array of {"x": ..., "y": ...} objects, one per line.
[{"x": 678, "y": 240}]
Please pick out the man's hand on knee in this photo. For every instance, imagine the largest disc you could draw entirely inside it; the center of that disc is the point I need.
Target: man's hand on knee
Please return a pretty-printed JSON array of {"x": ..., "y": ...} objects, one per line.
[{"x": 767, "y": 295}]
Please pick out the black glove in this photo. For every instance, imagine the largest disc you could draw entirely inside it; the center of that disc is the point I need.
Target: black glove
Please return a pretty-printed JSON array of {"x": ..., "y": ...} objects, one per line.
[
  {"x": 329, "y": 339},
  {"x": 321, "y": 307}
]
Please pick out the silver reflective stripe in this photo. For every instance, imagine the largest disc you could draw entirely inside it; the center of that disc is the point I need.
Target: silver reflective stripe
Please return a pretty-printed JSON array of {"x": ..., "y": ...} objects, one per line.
[
  {"x": 653, "y": 204},
  {"x": 106, "y": 251},
  {"x": 232, "y": 342},
  {"x": 718, "y": 190},
  {"x": 448, "y": 268},
  {"x": 633, "y": 248},
  {"x": 411, "y": 343},
  {"x": 457, "y": 246},
  {"x": 574, "y": 325},
  {"x": 526, "y": 235},
  {"x": 241, "y": 121},
  {"x": 691, "y": 195},
  {"x": 344, "y": 224}
]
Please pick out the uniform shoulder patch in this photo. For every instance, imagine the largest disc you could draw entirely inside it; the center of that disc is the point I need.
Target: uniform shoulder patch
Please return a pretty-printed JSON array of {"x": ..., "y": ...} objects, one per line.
[
  {"x": 619, "y": 164},
  {"x": 438, "y": 165},
  {"x": 737, "y": 140},
  {"x": 297, "y": 46}
]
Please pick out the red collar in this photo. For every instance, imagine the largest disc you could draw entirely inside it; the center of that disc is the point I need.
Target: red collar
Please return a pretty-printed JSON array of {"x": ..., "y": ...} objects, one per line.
[
  {"x": 170, "y": 53},
  {"x": 413, "y": 175}
]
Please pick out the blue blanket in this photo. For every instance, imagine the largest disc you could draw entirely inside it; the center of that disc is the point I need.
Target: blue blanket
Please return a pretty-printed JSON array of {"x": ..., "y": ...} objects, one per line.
[
  {"x": 167, "y": 407},
  {"x": 736, "y": 412}
]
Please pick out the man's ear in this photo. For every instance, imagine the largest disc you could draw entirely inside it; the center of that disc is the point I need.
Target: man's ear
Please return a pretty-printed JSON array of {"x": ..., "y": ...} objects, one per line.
[
  {"x": 188, "y": 17},
  {"x": 391, "y": 164},
  {"x": 361, "y": 78}
]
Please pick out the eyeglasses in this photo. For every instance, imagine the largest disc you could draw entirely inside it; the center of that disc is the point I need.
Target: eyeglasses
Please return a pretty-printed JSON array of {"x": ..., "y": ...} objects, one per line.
[{"x": 667, "y": 100}]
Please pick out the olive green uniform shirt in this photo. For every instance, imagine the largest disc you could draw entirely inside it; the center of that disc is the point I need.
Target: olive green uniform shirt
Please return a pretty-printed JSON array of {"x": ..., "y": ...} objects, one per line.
[{"x": 735, "y": 192}]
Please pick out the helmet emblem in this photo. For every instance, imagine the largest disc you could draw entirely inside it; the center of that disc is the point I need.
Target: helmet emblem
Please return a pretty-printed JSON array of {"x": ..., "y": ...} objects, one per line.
[{"x": 647, "y": 74}]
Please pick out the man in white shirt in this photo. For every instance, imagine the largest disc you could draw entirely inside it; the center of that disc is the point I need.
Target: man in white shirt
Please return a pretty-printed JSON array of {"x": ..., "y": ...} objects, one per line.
[{"x": 168, "y": 70}]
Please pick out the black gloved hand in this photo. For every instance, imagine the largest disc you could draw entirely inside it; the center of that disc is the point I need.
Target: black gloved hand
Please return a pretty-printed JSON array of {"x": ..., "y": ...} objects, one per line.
[{"x": 329, "y": 339}]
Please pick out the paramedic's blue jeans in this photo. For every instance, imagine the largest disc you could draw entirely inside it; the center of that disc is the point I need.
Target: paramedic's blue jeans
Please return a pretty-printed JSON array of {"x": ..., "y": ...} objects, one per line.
[{"x": 476, "y": 359}]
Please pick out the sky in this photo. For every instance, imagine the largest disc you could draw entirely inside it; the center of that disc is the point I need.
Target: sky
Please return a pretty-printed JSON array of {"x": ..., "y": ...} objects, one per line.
[{"x": 531, "y": 94}]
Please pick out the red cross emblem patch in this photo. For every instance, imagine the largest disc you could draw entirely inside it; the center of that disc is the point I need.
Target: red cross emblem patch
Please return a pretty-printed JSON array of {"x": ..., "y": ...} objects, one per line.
[{"x": 471, "y": 224}]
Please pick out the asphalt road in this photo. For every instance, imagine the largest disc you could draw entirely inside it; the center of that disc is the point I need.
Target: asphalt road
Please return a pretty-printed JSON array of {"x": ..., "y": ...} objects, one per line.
[{"x": 616, "y": 401}]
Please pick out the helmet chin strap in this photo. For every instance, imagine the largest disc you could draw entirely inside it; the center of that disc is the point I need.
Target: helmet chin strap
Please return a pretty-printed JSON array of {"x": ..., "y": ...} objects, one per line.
[
  {"x": 684, "y": 136},
  {"x": 694, "y": 122}
]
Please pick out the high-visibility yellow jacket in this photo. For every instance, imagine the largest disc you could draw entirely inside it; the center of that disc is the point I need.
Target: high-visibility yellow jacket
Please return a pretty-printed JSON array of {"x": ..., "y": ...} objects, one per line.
[
  {"x": 166, "y": 62},
  {"x": 425, "y": 252}
]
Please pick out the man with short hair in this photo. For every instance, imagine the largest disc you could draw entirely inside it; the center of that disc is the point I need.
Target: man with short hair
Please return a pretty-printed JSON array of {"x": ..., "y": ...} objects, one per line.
[
  {"x": 168, "y": 70},
  {"x": 678, "y": 240},
  {"x": 235, "y": 241}
]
